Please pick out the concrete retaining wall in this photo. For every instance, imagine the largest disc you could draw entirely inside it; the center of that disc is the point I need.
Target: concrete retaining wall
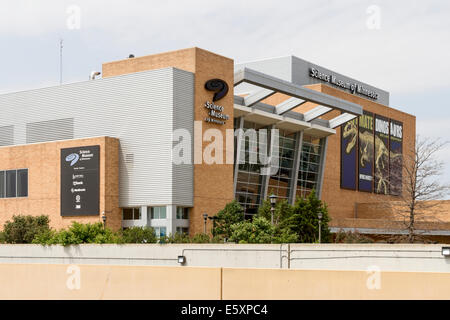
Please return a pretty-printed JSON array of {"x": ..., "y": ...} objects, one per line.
[{"x": 418, "y": 258}]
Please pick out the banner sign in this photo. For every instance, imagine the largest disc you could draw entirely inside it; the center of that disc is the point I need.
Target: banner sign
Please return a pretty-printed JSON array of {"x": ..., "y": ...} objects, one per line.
[
  {"x": 80, "y": 181},
  {"x": 366, "y": 148},
  {"x": 349, "y": 140},
  {"x": 381, "y": 155},
  {"x": 395, "y": 157}
]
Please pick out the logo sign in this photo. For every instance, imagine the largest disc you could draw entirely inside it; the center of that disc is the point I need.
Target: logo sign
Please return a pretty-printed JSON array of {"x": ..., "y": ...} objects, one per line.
[
  {"x": 80, "y": 181},
  {"x": 218, "y": 86},
  {"x": 72, "y": 158}
]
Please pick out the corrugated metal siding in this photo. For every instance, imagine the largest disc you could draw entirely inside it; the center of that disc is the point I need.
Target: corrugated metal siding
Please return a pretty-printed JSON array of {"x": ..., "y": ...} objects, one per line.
[
  {"x": 137, "y": 108},
  {"x": 52, "y": 130},
  {"x": 6, "y": 135}
]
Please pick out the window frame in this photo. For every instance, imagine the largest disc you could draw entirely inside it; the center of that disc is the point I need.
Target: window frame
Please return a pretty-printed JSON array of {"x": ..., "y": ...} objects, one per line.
[{"x": 3, "y": 195}]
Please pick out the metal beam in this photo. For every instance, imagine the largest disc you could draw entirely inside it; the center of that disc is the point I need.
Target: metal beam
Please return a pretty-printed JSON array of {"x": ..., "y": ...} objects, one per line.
[
  {"x": 258, "y": 96},
  {"x": 288, "y": 88},
  {"x": 288, "y": 105},
  {"x": 316, "y": 112},
  {"x": 341, "y": 119}
]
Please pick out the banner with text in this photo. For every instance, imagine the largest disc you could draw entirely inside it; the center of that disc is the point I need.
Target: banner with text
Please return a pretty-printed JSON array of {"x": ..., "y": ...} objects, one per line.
[
  {"x": 349, "y": 136},
  {"x": 395, "y": 157},
  {"x": 381, "y": 155},
  {"x": 365, "y": 160}
]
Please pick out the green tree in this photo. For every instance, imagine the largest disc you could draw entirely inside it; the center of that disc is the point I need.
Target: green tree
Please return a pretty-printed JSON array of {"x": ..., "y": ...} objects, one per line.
[
  {"x": 305, "y": 222},
  {"x": 23, "y": 229},
  {"x": 259, "y": 230},
  {"x": 231, "y": 214},
  {"x": 283, "y": 210}
]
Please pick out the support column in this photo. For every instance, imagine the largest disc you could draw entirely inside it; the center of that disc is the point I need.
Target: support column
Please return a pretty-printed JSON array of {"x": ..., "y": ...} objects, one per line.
[
  {"x": 323, "y": 155},
  {"x": 296, "y": 167},
  {"x": 238, "y": 153},
  {"x": 266, "y": 178}
]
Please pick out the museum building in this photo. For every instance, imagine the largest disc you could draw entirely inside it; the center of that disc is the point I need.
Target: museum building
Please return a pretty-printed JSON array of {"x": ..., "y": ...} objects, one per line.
[{"x": 108, "y": 149}]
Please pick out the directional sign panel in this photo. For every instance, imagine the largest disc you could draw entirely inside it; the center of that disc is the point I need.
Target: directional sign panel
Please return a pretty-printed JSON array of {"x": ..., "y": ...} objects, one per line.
[{"x": 80, "y": 181}]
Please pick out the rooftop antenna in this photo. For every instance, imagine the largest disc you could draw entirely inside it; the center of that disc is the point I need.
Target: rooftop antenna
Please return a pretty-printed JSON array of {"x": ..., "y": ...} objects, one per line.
[{"x": 60, "y": 60}]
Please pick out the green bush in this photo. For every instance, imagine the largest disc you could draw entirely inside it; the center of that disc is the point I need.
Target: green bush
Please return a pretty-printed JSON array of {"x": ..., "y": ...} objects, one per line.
[
  {"x": 259, "y": 230},
  {"x": 23, "y": 229},
  {"x": 232, "y": 213},
  {"x": 139, "y": 235},
  {"x": 2, "y": 237},
  {"x": 201, "y": 238},
  {"x": 176, "y": 238},
  {"x": 304, "y": 220},
  {"x": 283, "y": 211},
  {"x": 79, "y": 233}
]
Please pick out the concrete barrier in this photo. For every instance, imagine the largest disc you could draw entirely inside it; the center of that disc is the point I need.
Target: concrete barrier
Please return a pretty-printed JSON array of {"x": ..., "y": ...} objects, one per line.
[
  {"x": 386, "y": 257},
  {"x": 57, "y": 281}
]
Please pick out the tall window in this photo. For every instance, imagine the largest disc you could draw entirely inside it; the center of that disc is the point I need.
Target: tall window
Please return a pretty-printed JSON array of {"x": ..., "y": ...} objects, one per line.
[
  {"x": 280, "y": 182},
  {"x": 249, "y": 179},
  {"x": 157, "y": 212},
  {"x": 131, "y": 213},
  {"x": 160, "y": 231},
  {"x": 308, "y": 175},
  {"x": 14, "y": 183}
]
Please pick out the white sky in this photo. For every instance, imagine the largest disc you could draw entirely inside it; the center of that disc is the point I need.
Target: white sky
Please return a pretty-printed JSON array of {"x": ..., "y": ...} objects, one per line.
[{"x": 407, "y": 56}]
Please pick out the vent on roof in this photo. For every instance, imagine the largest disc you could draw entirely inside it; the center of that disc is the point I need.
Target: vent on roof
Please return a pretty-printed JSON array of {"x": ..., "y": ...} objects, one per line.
[
  {"x": 60, "y": 129},
  {"x": 6, "y": 136}
]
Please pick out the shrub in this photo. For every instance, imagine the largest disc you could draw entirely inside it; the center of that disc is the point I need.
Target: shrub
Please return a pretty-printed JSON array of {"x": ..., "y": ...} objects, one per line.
[
  {"x": 2, "y": 237},
  {"x": 200, "y": 238},
  {"x": 23, "y": 229},
  {"x": 257, "y": 231},
  {"x": 305, "y": 222},
  {"x": 232, "y": 213},
  {"x": 139, "y": 235},
  {"x": 283, "y": 211},
  {"x": 176, "y": 238},
  {"x": 79, "y": 233},
  {"x": 351, "y": 237}
]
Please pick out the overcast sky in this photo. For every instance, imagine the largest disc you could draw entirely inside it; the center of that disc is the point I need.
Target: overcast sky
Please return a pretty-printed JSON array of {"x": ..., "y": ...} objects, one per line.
[{"x": 400, "y": 46}]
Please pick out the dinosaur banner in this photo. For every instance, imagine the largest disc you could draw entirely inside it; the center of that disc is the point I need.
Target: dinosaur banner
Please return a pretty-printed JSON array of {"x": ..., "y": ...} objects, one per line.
[
  {"x": 381, "y": 155},
  {"x": 349, "y": 135},
  {"x": 365, "y": 159},
  {"x": 395, "y": 157}
]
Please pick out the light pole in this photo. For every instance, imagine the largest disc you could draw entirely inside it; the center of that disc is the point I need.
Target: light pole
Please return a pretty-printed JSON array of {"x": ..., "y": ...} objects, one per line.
[
  {"x": 319, "y": 215},
  {"x": 273, "y": 201},
  {"x": 205, "y": 219},
  {"x": 104, "y": 219}
]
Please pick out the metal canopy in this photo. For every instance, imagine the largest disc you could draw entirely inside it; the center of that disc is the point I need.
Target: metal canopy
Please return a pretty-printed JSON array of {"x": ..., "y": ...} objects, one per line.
[{"x": 269, "y": 85}]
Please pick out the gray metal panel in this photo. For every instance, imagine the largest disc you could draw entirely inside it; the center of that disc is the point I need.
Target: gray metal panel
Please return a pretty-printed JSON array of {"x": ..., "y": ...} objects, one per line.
[
  {"x": 51, "y": 130},
  {"x": 183, "y": 118},
  {"x": 137, "y": 108},
  {"x": 6, "y": 135},
  {"x": 296, "y": 70},
  {"x": 300, "y": 75}
]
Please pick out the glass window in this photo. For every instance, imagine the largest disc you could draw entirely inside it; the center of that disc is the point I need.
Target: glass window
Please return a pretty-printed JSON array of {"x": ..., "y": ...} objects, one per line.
[
  {"x": 182, "y": 230},
  {"x": 157, "y": 212},
  {"x": 11, "y": 183},
  {"x": 160, "y": 231},
  {"x": 22, "y": 183},
  {"x": 131, "y": 213},
  {"x": 182, "y": 213},
  {"x": 2, "y": 184}
]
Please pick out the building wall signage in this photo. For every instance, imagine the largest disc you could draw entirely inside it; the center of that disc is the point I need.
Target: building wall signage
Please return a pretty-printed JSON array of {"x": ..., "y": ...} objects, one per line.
[
  {"x": 379, "y": 157},
  {"x": 80, "y": 181},
  {"x": 352, "y": 87},
  {"x": 216, "y": 112}
]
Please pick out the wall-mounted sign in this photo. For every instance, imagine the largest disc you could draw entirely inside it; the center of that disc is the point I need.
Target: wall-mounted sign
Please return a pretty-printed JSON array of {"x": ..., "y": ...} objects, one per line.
[
  {"x": 349, "y": 156},
  {"x": 215, "y": 112},
  {"x": 365, "y": 146},
  {"x": 352, "y": 87},
  {"x": 80, "y": 181},
  {"x": 218, "y": 86},
  {"x": 379, "y": 155}
]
